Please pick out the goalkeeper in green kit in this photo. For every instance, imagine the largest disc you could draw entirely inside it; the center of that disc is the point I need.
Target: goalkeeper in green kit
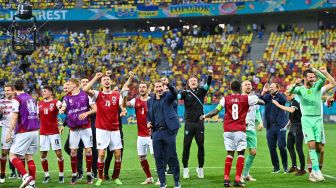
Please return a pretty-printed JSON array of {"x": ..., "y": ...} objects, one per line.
[{"x": 312, "y": 123}]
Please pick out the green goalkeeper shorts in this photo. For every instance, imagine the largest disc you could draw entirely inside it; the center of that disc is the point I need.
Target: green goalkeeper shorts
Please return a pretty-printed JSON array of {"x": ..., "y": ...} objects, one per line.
[
  {"x": 312, "y": 128},
  {"x": 251, "y": 139}
]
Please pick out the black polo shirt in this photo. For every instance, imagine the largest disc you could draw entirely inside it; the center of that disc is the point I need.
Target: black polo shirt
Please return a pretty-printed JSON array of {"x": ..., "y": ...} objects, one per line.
[{"x": 295, "y": 117}]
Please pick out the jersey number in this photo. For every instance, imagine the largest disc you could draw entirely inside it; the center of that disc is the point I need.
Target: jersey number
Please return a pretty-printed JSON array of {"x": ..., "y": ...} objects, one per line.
[
  {"x": 108, "y": 103},
  {"x": 45, "y": 111},
  {"x": 142, "y": 110},
  {"x": 235, "y": 111}
]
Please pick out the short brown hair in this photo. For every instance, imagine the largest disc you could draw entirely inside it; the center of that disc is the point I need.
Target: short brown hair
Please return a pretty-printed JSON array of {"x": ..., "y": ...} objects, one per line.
[
  {"x": 74, "y": 80},
  {"x": 18, "y": 85},
  {"x": 144, "y": 83},
  {"x": 49, "y": 88},
  {"x": 9, "y": 85}
]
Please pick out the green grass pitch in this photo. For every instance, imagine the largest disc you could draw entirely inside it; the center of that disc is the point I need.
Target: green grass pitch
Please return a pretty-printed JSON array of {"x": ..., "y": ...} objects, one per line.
[{"x": 132, "y": 174}]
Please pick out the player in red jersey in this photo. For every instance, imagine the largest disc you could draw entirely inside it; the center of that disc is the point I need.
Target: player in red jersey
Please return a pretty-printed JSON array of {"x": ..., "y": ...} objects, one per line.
[
  {"x": 49, "y": 132},
  {"x": 144, "y": 142},
  {"x": 107, "y": 123},
  {"x": 236, "y": 107}
]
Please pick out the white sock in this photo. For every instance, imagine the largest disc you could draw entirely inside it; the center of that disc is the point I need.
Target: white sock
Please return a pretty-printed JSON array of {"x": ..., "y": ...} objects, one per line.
[
  {"x": 46, "y": 174},
  {"x": 32, "y": 182},
  {"x": 61, "y": 174},
  {"x": 89, "y": 173}
]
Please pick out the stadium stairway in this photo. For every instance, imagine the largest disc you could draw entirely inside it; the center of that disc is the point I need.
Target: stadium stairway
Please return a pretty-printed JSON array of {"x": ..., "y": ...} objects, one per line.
[
  {"x": 79, "y": 3},
  {"x": 258, "y": 48},
  {"x": 163, "y": 66}
]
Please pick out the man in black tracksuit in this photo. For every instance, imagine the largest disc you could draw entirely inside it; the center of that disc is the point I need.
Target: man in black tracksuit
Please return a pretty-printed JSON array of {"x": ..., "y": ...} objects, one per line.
[{"x": 194, "y": 127}]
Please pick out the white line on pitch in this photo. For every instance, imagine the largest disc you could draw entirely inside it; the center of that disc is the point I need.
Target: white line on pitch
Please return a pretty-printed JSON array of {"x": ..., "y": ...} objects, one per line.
[{"x": 331, "y": 177}]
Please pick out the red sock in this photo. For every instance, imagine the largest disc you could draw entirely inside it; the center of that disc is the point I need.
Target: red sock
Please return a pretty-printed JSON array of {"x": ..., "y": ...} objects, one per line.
[
  {"x": 45, "y": 165},
  {"x": 19, "y": 166},
  {"x": 31, "y": 168},
  {"x": 74, "y": 164},
  {"x": 88, "y": 163},
  {"x": 116, "y": 170},
  {"x": 23, "y": 162},
  {"x": 100, "y": 170},
  {"x": 145, "y": 167},
  {"x": 239, "y": 167},
  {"x": 61, "y": 165},
  {"x": 3, "y": 161},
  {"x": 227, "y": 169}
]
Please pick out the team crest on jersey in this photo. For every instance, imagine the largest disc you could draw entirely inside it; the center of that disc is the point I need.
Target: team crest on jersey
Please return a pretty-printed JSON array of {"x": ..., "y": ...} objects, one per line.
[
  {"x": 52, "y": 106},
  {"x": 186, "y": 132},
  {"x": 114, "y": 99},
  {"x": 31, "y": 106},
  {"x": 70, "y": 101}
]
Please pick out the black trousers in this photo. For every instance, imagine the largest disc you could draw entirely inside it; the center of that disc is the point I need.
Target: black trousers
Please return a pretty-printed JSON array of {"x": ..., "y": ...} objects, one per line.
[
  {"x": 191, "y": 130},
  {"x": 79, "y": 153},
  {"x": 295, "y": 139}
]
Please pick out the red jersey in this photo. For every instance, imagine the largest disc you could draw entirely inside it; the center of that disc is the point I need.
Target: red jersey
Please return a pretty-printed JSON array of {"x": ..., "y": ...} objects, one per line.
[
  {"x": 236, "y": 108},
  {"x": 141, "y": 110},
  {"x": 107, "y": 116},
  {"x": 48, "y": 112}
]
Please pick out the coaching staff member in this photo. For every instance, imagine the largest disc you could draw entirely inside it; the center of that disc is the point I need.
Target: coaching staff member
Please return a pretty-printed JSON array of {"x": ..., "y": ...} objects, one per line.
[
  {"x": 194, "y": 127},
  {"x": 275, "y": 120},
  {"x": 295, "y": 135},
  {"x": 164, "y": 123}
]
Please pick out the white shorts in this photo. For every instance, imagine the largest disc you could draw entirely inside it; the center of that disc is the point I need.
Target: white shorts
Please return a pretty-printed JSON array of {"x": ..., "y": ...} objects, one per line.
[
  {"x": 25, "y": 143},
  {"x": 53, "y": 140},
  {"x": 4, "y": 144},
  {"x": 144, "y": 144},
  {"x": 111, "y": 139},
  {"x": 235, "y": 141},
  {"x": 80, "y": 134}
]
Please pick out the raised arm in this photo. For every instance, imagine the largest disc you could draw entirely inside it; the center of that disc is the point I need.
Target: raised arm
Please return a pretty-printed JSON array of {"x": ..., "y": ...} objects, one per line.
[
  {"x": 206, "y": 87},
  {"x": 295, "y": 89},
  {"x": 89, "y": 85},
  {"x": 322, "y": 78},
  {"x": 331, "y": 80},
  {"x": 129, "y": 81}
]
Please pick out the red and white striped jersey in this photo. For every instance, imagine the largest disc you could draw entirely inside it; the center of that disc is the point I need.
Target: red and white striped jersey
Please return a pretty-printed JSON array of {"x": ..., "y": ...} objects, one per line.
[{"x": 6, "y": 110}]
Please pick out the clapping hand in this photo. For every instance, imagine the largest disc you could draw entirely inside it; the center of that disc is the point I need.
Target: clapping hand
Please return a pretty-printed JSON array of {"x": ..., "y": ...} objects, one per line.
[{"x": 265, "y": 88}]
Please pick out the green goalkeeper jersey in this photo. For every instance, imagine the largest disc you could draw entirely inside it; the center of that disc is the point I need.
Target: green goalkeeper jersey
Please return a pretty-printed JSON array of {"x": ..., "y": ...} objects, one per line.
[{"x": 310, "y": 99}]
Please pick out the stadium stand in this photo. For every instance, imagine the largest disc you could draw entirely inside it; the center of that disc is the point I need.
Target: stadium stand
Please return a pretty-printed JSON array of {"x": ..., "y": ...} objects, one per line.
[
  {"x": 40, "y": 4},
  {"x": 85, "y": 53},
  {"x": 286, "y": 53}
]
